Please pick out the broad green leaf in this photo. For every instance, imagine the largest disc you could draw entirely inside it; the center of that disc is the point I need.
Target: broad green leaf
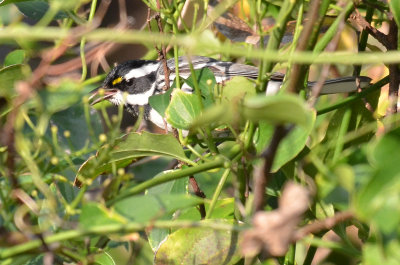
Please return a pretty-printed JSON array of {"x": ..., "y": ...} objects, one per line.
[
  {"x": 7, "y": 2},
  {"x": 379, "y": 199},
  {"x": 278, "y": 109},
  {"x": 160, "y": 102},
  {"x": 143, "y": 208},
  {"x": 73, "y": 120},
  {"x": 206, "y": 81},
  {"x": 291, "y": 145},
  {"x": 216, "y": 115},
  {"x": 375, "y": 254},
  {"x": 24, "y": 259},
  {"x": 14, "y": 57},
  {"x": 148, "y": 144},
  {"x": 133, "y": 146},
  {"x": 37, "y": 9},
  {"x": 61, "y": 97},
  {"x": 199, "y": 246},
  {"x": 103, "y": 258},
  {"x": 224, "y": 209},
  {"x": 95, "y": 214},
  {"x": 237, "y": 89},
  {"x": 395, "y": 8},
  {"x": 179, "y": 186},
  {"x": 183, "y": 109},
  {"x": 8, "y": 76}
]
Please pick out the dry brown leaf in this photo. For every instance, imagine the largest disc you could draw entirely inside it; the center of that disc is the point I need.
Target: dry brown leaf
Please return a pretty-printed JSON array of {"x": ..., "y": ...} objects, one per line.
[{"x": 273, "y": 231}]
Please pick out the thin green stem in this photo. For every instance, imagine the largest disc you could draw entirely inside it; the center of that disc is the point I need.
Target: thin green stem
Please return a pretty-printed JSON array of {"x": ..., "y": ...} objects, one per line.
[
  {"x": 290, "y": 255},
  {"x": 49, "y": 15},
  {"x": 83, "y": 41},
  {"x": 276, "y": 37},
  {"x": 78, "y": 198},
  {"x": 193, "y": 42},
  {"x": 110, "y": 229},
  {"x": 342, "y": 132},
  {"x": 217, "y": 192},
  {"x": 332, "y": 31},
  {"x": 209, "y": 138},
  {"x": 172, "y": 175},
  {"x": 318, "y": 242}
]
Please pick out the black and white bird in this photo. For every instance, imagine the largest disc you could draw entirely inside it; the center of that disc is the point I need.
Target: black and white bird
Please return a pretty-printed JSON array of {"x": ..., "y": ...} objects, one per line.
[{"x": 132, "y": 83}]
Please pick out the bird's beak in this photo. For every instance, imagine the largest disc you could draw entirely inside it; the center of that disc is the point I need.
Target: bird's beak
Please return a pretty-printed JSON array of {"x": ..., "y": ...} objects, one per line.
[{"x": 99, "y": 94}]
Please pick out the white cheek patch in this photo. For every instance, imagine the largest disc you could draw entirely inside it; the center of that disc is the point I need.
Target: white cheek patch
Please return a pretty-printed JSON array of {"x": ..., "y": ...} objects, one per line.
[
  {"x": 142, "y": 71},
  {"x": 142, "y": 98},
  {"x": 132, "y": 99},
  {"x": 117, "y": 99}
]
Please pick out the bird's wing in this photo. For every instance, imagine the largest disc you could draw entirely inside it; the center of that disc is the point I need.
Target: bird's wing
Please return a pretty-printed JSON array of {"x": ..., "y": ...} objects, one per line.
[{"x": 222, "y": 70}]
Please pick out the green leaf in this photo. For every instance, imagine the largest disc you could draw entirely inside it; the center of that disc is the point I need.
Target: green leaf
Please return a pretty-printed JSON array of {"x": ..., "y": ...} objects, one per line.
[
  {"x": 14, "y": 57},
  {"x": 73, "y": 120},
  {"x": 144, "y": 208},
  {"x": 7, "y": 2},
  {"x": 224, "y": 209},
  {"x": 291, "y": 145},
  {"x": 95, "y": 214},
  {"x": 183, "y": 109},
  {"x": 179, "y": 186},
  {"x": 133, "y": 146},
  {"x": 237, "y": 89},
  {"x": 160, "y": 102},
  {"x": 375, "y": 254},
  {"x": 24, "y": 259},
  {"x": 215, "y": 116},
  {"x": 199, "y": 246},
  {"x": 278, "y": 109},
  {"x": 8, "y": 76},
  {"x": 62, "y": 97},
  {"x": 104, "y": 258},
  {"x": 395, "y": 8},
  {"x": 148, "y": 144},
  {"x": 37, "y": 9},
  {"x": 206, "y": 81},
  {"x": 379, "y": 199}
]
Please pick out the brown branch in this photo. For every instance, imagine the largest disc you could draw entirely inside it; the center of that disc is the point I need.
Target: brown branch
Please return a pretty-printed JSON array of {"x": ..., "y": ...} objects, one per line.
[
  {"x": 199, "y": 193},
  {"x": 316, "y": 89},
  {"x": 390, "y": 41},
  {"x": 321, "y": 225},
  {"x": 360, "y": 23},
  {"x": 303, "y": 43},
  {"x": 394, "y": 73},
  {"x": 162, "y": 55},
  {"x": 262, "y": 174}
]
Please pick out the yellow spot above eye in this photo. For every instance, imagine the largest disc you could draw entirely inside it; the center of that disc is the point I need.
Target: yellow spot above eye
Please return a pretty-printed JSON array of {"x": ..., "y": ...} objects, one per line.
[{"x": 117, "y": 81}]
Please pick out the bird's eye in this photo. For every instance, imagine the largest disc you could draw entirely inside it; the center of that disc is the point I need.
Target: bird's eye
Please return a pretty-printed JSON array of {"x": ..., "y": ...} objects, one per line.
[{"x": 129, "y": 82}]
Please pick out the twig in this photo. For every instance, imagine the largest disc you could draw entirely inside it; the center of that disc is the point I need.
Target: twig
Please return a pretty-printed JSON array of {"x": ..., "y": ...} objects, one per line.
[
  {"x": 316, "y": 90},
  {"x": 199, "y": 193},
  {"x": 162, "y": 54},
  {"x": 321, "y": 225},
  {"x": 357, "y": 19},
  {"x": 390, "y": 42},
  {"x": 262, "y": 175},
  {"x": 303, "y": 43}
]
